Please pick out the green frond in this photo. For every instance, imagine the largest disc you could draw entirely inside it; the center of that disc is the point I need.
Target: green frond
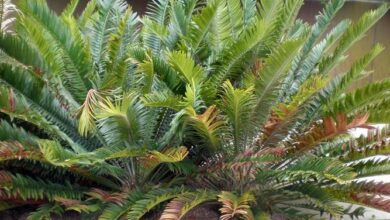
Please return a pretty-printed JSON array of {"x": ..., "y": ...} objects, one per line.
[
  {"x": 208, "y": 126},
  {"x": 117, "y": 65},
  {"x": 85, "y": 18},
  {"x": 40, "y": 98},
  {"x": 180, "y": 206},
  {"x": 228, "y": 95},
  {"x": 117, "y": 211},
  {"x": 37, "y": 189},
  {"x": 220, "y": 33},
  {"x": 202, "y": 22},
  {"x": 158, "y": 11},
  {"x": 168, "y": 75},
  {"x": 357, "y": 69},
  {"x": 146, "y": 75},
  {"x": 178, "y": 23},
  {"x": 290, "y": 13},
  {"x": 235, "y": 17},
  {"x": 155, "y": 31},
  {"x": 10, "y": 132},
  {"x": 109, "y": 16},
  {"x": 171, "y": 155},
  {"x": 371, "y": 167},
  {"x": 319, "y": 168},
  {"x": 123, "y": 123},
  {"x": 44, "y": 212},
  {"x": 303, "y": 67},
  {"x": 311, "y": 54},
  {"x": 316, "y": 197},
  {"x": 248, "y": 7},
  {"x": 151, "y": 199},
  {"x": 21, "y": 51},
  {"x": 267, "y": 86},
  {"x": 16, "y": 107},
  {"x": 24, "y": 55},
  {"x": 353, "y": 34},
  {"x": 269, "y": 10},
  {"x": 322, "y": 22},
  {"x": 367, "y": 194},
  {"x": 55, "y": 153},
  {"x": 310, "y": 86},
  {"x": 44, "y": 26},
  {"x": 154, "y": 35},
  {"x": 361, "y": 99},
  {"x": 234, "y": 59},
  {"x": 378, "y": 116},
  {"x": 93, "y": 161},
  {"x": 279, "y": 15},
  {"x": 86, "y": 113},
  {"x": 162, "y": 99},
  {"x": 186, "y": 66},
  {"x": 70, "y": 8},
  {"x": 237, "y": 105}
]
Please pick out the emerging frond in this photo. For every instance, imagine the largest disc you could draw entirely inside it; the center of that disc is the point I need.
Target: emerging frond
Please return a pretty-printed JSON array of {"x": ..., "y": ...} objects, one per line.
[{"x": 235, "y": 206}]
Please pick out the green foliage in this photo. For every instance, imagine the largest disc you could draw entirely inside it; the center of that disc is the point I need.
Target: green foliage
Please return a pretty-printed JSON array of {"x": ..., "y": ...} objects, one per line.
[
  {"x": 227, "y": 102},
  {"x": 44, "y": 212}
]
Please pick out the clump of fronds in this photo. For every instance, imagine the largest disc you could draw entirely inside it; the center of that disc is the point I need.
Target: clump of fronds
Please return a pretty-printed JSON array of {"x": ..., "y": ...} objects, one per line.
[{"x": 222, "y": 102}]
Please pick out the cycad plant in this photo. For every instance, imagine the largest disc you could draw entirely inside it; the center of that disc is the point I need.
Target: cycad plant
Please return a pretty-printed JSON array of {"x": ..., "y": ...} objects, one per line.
[{"x": 223, "y": 102}]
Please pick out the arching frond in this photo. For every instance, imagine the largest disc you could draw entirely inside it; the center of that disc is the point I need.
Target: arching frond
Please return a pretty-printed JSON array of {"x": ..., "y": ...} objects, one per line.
[
  {"x": 85, "y": 17},
  {"x": 152, "y": 199},
  {"x": 358, "y": 67},
  {"x": 109, "y": 16},
  {"x": 361, "y": 99},
  {"x": 123, "y": 124},
  {"x": 40, "y": 98},
  {"x": 171, "y": 155},
  {"x": 302, "y": 69},
  {"x": 271, "y": 78},
  {"x": 185, "y": 65},
  {"x": 178, "y": 208},
  {"x": 235, "y": 58},
  {"x": 70, "y": 8},
  {"x": 117, "y": 211},
  {"x": 208, "y": 125},
  {"x": 45, "y": 212},
  {"x": 63, "y": 49},
  {"x": 202, "y": 23},
  {"x": 352, "y": 35},
  {"x": 36, "y": 189},
  {"x": 321, "y": 169}
]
